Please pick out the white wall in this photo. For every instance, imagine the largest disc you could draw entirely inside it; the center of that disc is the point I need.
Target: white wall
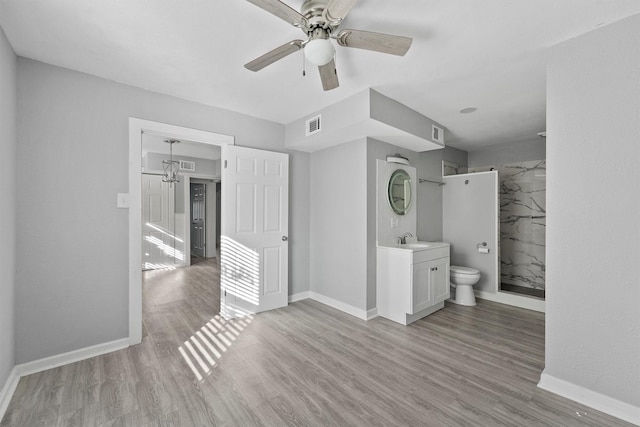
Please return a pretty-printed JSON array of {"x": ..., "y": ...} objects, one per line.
[
  {"x": 8, "y": 195},
  {"x": 211, "y": 212},
  {"x": 593, "y": 204},
  {"x": 338, "y": 254},
  {"x": 503, "y": 154},
  {"x": 72, "y": 260}
]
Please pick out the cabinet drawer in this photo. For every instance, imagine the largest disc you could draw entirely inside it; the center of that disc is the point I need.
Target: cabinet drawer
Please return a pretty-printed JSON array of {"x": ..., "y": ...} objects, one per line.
[{"x": 423, "y": 256}]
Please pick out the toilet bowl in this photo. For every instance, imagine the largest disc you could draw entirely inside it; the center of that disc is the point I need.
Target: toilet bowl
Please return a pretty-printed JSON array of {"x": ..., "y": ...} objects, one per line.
[{"x": 463, "y": 279}]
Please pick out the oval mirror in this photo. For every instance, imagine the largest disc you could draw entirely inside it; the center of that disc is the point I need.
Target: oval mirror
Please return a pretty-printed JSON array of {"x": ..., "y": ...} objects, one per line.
[{"x": 399, "y": 191}]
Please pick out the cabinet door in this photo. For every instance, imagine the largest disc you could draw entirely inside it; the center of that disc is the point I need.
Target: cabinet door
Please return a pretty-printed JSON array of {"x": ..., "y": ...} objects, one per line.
[
  {"x": 421, "y": 295},
  {"x": 439, "y": 274}
]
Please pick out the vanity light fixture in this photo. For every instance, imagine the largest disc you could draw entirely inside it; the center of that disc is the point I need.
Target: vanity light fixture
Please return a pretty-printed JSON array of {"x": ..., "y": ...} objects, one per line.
[
  {"x": 397, "y": 158},
  {"x": 171, "y": 167}
]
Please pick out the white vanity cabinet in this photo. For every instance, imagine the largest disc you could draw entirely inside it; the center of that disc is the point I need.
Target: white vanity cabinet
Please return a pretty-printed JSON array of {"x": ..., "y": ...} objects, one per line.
[{"x": 412, "y": 282}]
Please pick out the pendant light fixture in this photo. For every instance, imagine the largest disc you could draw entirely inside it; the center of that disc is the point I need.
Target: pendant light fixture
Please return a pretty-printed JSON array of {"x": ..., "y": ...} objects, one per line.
[{"x": 171, "y": 167}]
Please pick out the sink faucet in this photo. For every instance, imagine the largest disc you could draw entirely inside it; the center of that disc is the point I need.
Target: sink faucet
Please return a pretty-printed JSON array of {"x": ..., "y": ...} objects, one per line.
[{"x": 403, "y": 238}]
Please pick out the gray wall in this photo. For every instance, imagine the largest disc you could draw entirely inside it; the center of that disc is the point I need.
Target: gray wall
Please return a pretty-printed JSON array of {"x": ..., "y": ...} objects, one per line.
[
  {"x": 8, "y": 195},
  {"x": 72, "y": 260},
  {"x": 338, "y": 252},
  {"x": 593, "y": 283},
  {"x": 299, "y": 221},
  {"x": 509, "y": 153},
  {"x": 153, "y": 163},
  {"x": 342, "y": 268}
]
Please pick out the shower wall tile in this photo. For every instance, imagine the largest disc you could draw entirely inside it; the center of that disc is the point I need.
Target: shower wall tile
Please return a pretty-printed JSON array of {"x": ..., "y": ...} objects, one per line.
[
  {"x": 449, "y": 168},
  {"x": 522, "y": 222}
]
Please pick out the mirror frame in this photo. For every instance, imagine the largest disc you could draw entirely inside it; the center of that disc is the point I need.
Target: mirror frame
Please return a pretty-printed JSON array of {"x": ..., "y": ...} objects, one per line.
[{"x": 400, "y": 174}]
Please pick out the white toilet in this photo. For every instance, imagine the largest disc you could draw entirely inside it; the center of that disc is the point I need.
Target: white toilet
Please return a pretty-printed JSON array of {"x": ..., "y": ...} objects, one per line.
[{"x": 463, "y": 279}]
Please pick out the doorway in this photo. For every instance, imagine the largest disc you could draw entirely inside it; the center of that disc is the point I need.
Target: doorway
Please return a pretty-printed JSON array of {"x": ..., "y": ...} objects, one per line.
[
  {"x": 254, "y": 230},
  {"x": 138, "y": 128}
]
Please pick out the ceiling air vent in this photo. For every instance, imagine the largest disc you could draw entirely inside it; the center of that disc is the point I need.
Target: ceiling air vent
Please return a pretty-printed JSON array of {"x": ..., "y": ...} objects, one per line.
[
  {"x": 437, "y": 134},
  {"x": 312, "y": 126},
  {"x": 187, "y": 165}
]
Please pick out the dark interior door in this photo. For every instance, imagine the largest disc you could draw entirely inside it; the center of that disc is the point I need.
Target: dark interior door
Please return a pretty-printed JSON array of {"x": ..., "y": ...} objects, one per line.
[{"x": 198, "y": 215}]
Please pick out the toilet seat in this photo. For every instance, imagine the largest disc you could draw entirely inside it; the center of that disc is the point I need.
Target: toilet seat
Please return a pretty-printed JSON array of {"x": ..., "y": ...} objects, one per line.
[{"x": 463, "y": 271}]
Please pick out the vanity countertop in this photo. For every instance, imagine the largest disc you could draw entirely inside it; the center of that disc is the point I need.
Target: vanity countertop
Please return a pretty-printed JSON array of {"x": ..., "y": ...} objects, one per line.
[{"x": 415, "y": 246}]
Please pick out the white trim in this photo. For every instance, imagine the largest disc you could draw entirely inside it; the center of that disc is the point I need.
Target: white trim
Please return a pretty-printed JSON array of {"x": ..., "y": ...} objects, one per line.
[
  {"x": 71, "y": 357},
  {"x": 339, "y": 305},
  {"x": 136, "y": 128},
  {"x": 595, "y": 400},
  {"x": 7, "y": 391},
  {"x": 299, "y": 296},
  {"x": 528, "y": 303}
]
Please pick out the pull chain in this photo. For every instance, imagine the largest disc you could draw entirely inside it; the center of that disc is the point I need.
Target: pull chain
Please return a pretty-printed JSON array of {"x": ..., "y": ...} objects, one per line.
[{"x": 304, "y": 63}]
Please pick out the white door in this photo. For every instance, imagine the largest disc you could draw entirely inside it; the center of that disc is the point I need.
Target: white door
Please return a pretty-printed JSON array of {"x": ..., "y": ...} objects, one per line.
[
  {"x": 254, "y": 232},
  {"x": 158, "y": 224}
]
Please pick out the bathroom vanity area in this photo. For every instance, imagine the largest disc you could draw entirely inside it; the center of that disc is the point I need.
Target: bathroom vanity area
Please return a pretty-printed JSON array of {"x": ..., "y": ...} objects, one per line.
[
  {"x": 412, "y": 280},
  {"x": 412, "y": 277}
]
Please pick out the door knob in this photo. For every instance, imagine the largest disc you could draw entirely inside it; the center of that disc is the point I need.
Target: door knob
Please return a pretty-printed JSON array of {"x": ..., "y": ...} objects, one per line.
[{"x": 285, "y": 238}]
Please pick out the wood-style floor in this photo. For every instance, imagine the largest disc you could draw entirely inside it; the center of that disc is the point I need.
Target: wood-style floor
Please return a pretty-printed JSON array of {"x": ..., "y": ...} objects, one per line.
[{"x": 306, "y": 364}]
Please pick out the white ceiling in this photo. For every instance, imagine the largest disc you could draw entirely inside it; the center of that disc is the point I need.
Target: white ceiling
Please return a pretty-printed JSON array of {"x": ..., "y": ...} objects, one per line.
[{"x": 488, "y": 54}]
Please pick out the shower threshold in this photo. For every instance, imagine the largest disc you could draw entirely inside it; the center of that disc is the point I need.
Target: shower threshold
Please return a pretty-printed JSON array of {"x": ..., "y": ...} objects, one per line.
[{"x": 522, "y": 290}]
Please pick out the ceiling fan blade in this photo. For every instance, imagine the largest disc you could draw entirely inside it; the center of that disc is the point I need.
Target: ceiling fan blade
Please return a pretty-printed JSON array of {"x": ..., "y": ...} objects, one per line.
[
  {"x": 379, "y": 42},
  {"x": 282, "y": 11},
  {"x": 337, "y": 10},
  {"x": 274, "y": 55},
  {"x": 329, "y": 75}
]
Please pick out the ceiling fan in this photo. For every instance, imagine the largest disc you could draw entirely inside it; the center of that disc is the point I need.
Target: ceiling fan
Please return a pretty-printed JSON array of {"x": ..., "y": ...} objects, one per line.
[{"x": 319, "y": 20}]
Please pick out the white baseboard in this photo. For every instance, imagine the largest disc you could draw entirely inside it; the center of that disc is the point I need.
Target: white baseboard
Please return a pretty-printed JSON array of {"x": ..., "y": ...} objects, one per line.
[
  {"x": 7, "y": 391},
  {"x": 53, "y": 362},
  {"x": 595, "y": 400},
  {"x": 299, "y": 296},
  {"x": 339, "y": 305},
  {"x": 528, "y": 303},
  {"x": 70, "y": 357},
  {"x": 372, "y": 313}
]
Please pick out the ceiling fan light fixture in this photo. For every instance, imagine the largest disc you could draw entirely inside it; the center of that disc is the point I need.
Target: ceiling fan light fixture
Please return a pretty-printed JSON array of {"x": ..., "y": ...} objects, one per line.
[{"x": 319, "y": 51}]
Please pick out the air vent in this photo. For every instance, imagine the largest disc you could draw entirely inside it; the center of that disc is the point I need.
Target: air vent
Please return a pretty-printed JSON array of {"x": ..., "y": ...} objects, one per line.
[
  {"x": 312, "y": 126},
  {"x": 186, "y": 165},
  {"x": 437, "y": 134}
]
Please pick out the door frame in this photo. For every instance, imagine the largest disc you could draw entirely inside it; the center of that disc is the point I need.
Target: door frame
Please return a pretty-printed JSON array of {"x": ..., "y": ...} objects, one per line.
[
  {"x": 136, "y": 128},
  {"x": 187, "y": 211}
]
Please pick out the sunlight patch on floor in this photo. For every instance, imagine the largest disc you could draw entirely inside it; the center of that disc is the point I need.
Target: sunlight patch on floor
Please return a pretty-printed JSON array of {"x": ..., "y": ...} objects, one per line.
[{"x": 204, "y": 349}]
